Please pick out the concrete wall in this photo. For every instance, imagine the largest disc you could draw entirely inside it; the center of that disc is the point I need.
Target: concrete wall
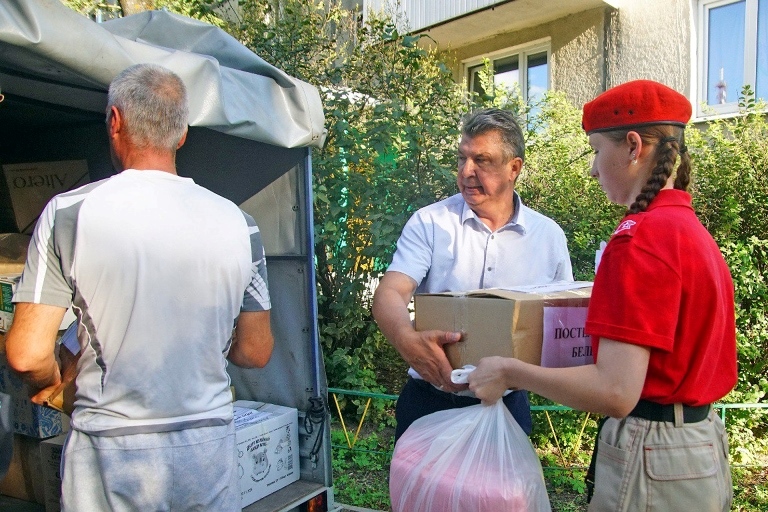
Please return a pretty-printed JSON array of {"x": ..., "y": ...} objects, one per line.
[
  {"x": 651, "y": 39},
  {"x": 578, "y": 55},
  {"x": 599, "y": 48}
]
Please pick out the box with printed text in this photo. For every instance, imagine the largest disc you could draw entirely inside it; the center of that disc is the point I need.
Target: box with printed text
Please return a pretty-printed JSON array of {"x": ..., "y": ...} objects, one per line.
[
  {"x": 267, "y": 445},
  {"x": 8, "y": 284},
  {"x": 50, "y": 471},
  {"x": 28, "y": 187},
  {"x": 29, "y": 419},
  {"x": 542, "y": 325}
]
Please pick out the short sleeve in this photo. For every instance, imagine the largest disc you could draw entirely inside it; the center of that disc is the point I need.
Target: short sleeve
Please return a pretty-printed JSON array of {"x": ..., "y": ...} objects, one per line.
[
  {"x": 635, "y": 298},
  {"x": 564, "y": 268},
  {"x": 413, "y": 256},
  {"x": 43, "y": 280},
  {"x": 256, "y": 297}
]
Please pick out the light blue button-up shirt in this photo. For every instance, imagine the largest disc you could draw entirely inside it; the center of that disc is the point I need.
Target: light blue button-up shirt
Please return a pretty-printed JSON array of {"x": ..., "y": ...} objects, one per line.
[{"x": 446, "y": 247}]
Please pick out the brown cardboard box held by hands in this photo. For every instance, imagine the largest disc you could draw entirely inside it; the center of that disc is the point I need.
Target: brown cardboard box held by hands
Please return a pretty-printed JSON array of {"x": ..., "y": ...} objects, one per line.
[
  {"x": 62, "y": 397},
  {"x": 525, "y": 323}
]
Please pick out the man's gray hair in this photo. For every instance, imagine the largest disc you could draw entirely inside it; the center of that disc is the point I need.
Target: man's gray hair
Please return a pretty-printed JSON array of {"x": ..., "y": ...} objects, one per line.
[
  {"x": 501, "y": 121},
  {"x": 153, "y": 102}
]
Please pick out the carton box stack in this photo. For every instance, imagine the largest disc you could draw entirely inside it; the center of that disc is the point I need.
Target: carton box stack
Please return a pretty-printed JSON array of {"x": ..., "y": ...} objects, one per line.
[
  {"x": 38, "y": 431},
  {"x": 8, "y": 284},
  {"x": 32, "y": 425},
  {"x": 50, "y": 462}
]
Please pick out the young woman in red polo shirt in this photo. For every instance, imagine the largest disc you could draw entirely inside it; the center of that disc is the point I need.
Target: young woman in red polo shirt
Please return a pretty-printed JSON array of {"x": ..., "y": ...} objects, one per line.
[{"x": 661, "y": 319}]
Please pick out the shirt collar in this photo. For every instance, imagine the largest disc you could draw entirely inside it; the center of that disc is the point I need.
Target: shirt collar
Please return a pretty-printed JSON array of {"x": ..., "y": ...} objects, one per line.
[
  {"x": 517, "y": 222},
  {"x": 671, "y": 197}
]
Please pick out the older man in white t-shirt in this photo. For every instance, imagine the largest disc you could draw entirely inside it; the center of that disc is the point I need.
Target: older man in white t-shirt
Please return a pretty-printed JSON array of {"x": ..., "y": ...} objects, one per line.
[
  {"x": 158, "y": 271},
  {"x": 483, "y": 237}
]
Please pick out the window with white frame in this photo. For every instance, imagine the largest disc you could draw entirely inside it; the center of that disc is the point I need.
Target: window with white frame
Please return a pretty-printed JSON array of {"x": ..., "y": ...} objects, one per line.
[
  {"x": 523, "y": 68},
  {"x": 733, "y": 50}
]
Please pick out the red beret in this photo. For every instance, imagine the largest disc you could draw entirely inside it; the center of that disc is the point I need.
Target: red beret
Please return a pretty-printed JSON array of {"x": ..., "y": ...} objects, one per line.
[{"x": 636, "y": 103}]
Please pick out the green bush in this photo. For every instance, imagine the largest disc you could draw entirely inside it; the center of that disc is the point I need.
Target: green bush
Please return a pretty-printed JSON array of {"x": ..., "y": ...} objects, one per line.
[
  {"x": 730, "y": 193},
  {"x": 361, "y": 474}
]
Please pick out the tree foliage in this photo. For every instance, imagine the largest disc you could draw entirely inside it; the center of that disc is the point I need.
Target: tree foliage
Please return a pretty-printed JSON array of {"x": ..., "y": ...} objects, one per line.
[{"x": 730, "y": 194}]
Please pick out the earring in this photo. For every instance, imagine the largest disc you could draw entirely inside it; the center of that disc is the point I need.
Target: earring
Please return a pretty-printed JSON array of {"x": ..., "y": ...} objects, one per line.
[{"x": 634, "y": 158}]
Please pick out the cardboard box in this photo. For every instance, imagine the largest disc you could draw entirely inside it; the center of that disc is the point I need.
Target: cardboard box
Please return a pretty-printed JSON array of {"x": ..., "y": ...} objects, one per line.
[
  {"x": 22, "y": 481},
  {"x": 29, "y": 419},
  {"x": 50, "y": 471},
  {"x": 13, "y": 252},
  {"x": 29, "y": 187},
  {"x": 8, "y": 283},
  {"x": 267, "y": 444},
  {"x": 542, "y": 325}
]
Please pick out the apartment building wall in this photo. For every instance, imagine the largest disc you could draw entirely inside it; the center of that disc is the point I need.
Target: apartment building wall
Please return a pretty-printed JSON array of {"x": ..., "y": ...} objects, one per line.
[{"x": 602, "y": 47}]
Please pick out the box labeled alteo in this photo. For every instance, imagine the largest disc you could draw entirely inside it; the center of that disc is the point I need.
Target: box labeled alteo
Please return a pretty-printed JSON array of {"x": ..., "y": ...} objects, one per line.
[
  {"x": 29, "y": 186},
  {"x": 267, "y": 444},
  {"x": 542, "y": 325}
]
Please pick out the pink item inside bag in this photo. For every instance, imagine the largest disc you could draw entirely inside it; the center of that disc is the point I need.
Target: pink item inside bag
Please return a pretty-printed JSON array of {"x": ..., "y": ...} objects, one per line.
[{"x": 474, "y": 459}]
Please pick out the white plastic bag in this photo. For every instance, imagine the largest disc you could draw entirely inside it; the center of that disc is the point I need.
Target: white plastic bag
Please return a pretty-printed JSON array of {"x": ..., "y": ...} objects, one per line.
[{"x": 473, "y": 459}]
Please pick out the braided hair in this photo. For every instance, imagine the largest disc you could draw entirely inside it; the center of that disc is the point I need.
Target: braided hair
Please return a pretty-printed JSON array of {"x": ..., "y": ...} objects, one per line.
[{"x": 670, "y": 143}]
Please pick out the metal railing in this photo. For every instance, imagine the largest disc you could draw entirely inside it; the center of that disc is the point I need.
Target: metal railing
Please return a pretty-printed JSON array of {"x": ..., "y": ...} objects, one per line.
[{"x": 722, "y": 407}]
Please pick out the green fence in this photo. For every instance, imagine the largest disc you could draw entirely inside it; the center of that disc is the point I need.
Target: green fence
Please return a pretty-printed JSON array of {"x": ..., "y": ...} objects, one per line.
[{"x": 352, "y": 438}]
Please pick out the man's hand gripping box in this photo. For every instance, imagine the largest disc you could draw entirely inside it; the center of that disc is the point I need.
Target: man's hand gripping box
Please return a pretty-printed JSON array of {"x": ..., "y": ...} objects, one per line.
[{"x": 542, "y": 325}]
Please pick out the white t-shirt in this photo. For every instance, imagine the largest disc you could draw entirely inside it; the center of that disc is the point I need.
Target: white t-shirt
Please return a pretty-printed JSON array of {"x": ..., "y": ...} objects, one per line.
[
  {"x": 156, "y": 269},
  {"x": 446, "y": 247}
]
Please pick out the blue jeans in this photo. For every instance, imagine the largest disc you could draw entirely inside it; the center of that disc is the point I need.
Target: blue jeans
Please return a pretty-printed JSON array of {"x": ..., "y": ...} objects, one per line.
[{"x": 419, "y": 398}]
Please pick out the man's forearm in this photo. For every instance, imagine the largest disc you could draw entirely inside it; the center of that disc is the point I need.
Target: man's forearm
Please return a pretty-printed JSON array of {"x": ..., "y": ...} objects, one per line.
[
  {"x": 393, "y": 319},
  {"x": 253, "y": 342},
  {"x": 45, "y": 375},
  {"x": 31, "y": 341}
]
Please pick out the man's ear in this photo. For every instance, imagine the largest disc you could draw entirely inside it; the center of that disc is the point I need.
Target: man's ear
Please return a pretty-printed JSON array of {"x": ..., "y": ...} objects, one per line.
[
  {"x": 114, "y": 121},
  {"x": 183, "y": 139},
  {"x": 516, "y": 167}
]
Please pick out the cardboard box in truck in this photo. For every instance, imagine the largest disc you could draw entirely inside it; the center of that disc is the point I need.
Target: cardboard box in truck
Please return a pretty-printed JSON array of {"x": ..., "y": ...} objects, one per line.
[
  {"x": 29, "y": 186},
  {"x": 267, "y": 444},
  {"x": 50, "y": 474}
]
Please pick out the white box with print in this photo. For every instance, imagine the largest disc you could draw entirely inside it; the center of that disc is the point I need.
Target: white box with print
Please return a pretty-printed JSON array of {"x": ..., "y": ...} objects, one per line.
[{"x": 267, "y": 445}]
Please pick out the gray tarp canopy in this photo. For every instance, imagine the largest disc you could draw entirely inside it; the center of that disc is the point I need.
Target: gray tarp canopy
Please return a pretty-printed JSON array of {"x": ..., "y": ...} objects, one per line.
[{"x": 246, "y": 116}]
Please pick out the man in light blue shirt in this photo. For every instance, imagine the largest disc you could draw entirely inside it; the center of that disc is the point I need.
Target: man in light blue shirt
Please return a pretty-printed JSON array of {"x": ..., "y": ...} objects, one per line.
[{"x": 482, "y": 237}]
